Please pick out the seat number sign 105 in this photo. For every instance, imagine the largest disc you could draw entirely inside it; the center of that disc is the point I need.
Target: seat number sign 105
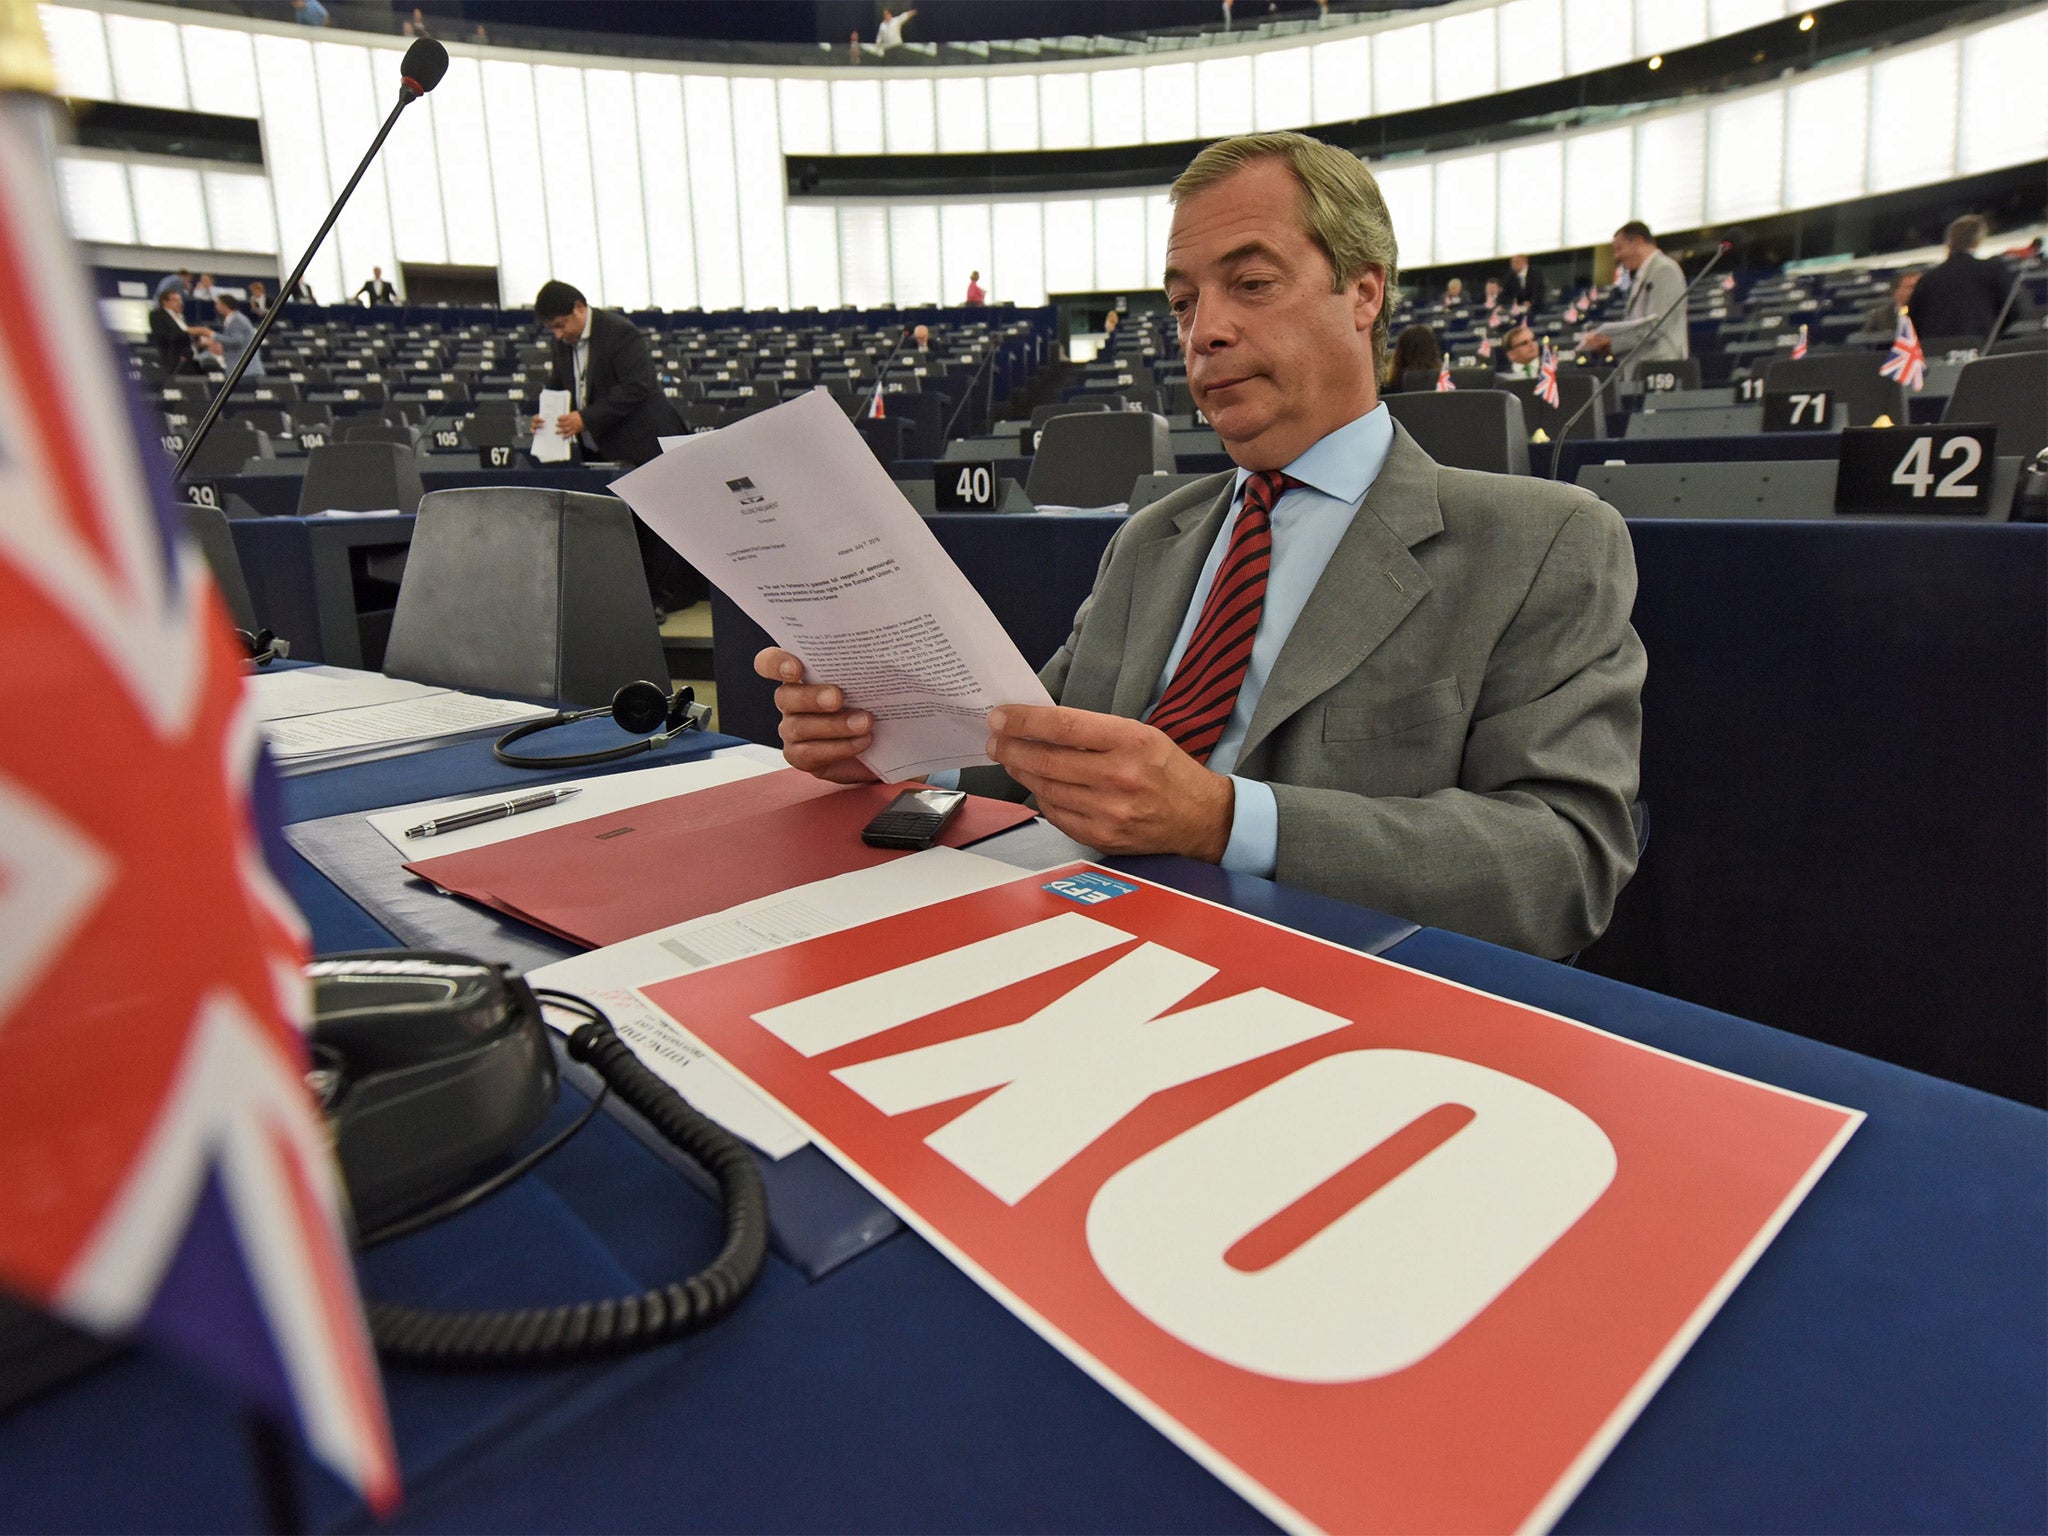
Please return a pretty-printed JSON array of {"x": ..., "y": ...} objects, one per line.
[{"x": 1382, "y": 1252}]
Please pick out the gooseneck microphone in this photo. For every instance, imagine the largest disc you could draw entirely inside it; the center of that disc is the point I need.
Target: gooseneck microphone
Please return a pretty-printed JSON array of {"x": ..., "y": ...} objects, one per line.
[
  {"x": 425, "y": 62},
  {"x": 1557, "y": 448}
]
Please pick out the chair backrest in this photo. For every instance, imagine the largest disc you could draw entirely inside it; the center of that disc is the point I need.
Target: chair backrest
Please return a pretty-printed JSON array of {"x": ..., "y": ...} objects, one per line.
[
  {"x": 265, "y": 418},
  {"x": 884, "y": 436},
  {"x": 229, "y": 446},
  {"x": 1091, "y": 459},
  {"x": 360, "y": 477},
  {"x": 2010, "y": 390},
  {"x": 209, "y": 526},
  {"x": 1467, "y": 428},
  {"x": 924, "y": 422},
  {"x": 1709, "y": 421},
  {"x": 1147, "y": 489},
  {"x": 1040, "y": 415},
  {"x": 1681, "y": 372},
  {"x": 1463, "y": 376},
  {"x": 378, "y": 432},
  {"x": 1850, "y": 378},
  {"x": 1573, "y": 391},
  {"x": 487, "y": 430},
  {"x": 528, "y": 591},
  {"x": 2030, "y": 341}
]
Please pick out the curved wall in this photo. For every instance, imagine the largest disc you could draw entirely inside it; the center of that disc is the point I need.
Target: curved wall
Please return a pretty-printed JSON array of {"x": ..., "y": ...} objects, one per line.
[{"x": 664, "y": 184}]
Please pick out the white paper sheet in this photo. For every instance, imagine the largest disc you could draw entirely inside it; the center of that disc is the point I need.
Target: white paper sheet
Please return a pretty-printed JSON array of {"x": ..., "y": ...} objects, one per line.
[
  {"x": 665, "y": 1043},
  {"x": 315, "y": 690},
  {"x": 548, "y": 447},
  {"x": 403, "y": 722},
  {"x": 598, "y": 797},
  {"x": 792, "y": 517}
]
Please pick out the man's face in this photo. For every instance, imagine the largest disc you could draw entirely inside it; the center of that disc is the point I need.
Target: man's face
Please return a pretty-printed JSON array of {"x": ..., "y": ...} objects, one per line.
[
  {"x": 174, "y": 301},
  {"x": 1518, "y": 264},
  {"x": 922, "y": 335},
  {"x": 256, "y": 289},
  {"x": 569, "y": 327},
  {"x": 1630, "y": 253},
  {"x": 1492, "y": 290},
  {"x": 375, "y": 271},
  {"x": 1522, "y": 345},
  {"x": 1275, "y": 359}
]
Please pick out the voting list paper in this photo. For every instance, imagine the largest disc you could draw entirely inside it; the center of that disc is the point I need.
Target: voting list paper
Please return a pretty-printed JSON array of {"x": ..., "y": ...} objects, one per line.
[
  {"x": 548, "y": 448},
  {"x": 795, "y": 520}
]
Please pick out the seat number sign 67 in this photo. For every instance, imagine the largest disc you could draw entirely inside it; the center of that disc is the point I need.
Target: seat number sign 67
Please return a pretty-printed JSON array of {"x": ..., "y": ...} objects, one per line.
[{"x": 1382, "y": 1252}]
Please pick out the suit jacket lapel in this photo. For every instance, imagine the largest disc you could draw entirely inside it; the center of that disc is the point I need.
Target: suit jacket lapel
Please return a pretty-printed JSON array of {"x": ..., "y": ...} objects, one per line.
[
  {"x": 1163, "y": 586},
  {"x": 1368, "y": 588}
]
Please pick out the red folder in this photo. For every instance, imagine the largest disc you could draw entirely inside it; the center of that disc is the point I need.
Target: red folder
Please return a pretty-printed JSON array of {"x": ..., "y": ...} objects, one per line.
[{"x": 614, "y": 877}]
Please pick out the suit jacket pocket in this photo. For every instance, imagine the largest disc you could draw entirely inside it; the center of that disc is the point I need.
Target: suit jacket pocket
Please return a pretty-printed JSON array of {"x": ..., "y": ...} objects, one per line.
[{"x": 1350, "y": 722}]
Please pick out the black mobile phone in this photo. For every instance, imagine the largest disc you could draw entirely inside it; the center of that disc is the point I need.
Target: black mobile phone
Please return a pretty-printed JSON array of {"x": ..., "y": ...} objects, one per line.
[{"x": 914, "y": 819}]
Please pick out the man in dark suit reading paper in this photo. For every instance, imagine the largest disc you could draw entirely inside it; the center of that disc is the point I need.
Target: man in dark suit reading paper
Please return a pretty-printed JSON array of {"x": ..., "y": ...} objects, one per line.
[
  {"x": 617, "y": 410},
  {"x": 1343, "y": 665}
]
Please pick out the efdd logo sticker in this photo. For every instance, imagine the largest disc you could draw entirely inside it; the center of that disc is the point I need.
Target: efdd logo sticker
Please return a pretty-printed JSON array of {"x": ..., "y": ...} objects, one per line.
[{"x": 1089, "y": 889}]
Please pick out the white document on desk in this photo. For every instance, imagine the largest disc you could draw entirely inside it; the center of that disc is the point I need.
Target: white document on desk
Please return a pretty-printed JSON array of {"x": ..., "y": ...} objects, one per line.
[
  {"x": 315, "y": 690},
  {"x": 594, "y": 797},
  {"x": 610, "y": 976},
  {"x": 548, "y": 446},
  {"x": 791, "y": 516},
  {"x": 403, "y": 722}
]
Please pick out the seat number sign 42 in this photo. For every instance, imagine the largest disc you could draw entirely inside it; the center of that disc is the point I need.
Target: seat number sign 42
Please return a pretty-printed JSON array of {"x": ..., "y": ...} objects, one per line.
[{"x": 1382, "y": 1252}]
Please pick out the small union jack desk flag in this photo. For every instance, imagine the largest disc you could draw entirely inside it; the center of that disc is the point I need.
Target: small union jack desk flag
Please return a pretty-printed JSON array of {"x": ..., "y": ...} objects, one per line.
[
  {"x": 1799, "y": 346},
  {"x": 875, "y": 410},
  {"x": 1546, "y": 377},
  {"x": 1443, "y": 376},
  {"x": 1906, "y": 362},
  {"x": 166, "y": 1172}
]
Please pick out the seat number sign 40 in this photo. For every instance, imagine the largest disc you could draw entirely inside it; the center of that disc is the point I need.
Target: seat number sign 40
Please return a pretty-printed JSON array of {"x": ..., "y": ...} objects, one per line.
[{"x": 1383, "y": 1252}]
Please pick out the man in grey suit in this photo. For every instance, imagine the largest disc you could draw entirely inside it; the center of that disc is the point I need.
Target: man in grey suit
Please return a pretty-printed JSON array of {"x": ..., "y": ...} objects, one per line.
[
  {"x": 1658, "y": 282},
  {"x": 1343, "y": 666}
]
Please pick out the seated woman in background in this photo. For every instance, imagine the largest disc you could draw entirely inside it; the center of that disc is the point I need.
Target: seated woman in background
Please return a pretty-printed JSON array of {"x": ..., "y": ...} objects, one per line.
[{"x": 1415, "y": 347}]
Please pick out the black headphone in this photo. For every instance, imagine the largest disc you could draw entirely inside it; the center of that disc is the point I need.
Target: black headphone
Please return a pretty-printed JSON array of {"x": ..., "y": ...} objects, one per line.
[
  {"x": 638, "y": 706},
  {"x": 263, "y": 647}
]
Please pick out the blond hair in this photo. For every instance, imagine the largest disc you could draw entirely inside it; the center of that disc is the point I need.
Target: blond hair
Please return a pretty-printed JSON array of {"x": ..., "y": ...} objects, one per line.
[{"x": 1341, "y": 206}]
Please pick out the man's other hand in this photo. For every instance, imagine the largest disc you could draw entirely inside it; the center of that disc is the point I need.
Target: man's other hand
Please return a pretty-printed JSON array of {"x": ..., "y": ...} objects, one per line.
[
  {"x": 569, "y": 424},
  {"x": 1595, "y": 341},
  {"x": 819, "y": 734},
  {"x": 1118, "y": 785}
]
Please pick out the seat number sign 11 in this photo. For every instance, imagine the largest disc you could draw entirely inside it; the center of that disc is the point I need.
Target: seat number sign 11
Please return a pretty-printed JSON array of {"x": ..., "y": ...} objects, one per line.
[{"x": 1382, "y": 1252}]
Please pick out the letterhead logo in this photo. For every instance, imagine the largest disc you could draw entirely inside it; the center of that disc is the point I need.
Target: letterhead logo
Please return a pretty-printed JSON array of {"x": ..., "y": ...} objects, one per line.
[{"x": 743, "y": 488}]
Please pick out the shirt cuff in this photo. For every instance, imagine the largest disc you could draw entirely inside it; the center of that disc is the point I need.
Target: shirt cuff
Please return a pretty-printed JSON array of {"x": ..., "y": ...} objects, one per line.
[
  {"x": 1254, "y": 845},
  {"x": 945, "y": 778}
]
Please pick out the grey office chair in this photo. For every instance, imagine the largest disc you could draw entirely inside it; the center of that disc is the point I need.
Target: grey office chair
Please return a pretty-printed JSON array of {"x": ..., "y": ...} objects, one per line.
[
  {"x": 1090, "y": 460},
  {"x": 527, "y": 591},
  {"x": 2009, "y": 390},
  {"x": 361, "y": 477},
  {"x": 1467, "y": 428}
]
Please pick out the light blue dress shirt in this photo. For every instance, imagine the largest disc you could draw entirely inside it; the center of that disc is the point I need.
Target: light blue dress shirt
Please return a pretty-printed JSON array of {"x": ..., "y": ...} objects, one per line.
[{"x": 1309, "y": 521}]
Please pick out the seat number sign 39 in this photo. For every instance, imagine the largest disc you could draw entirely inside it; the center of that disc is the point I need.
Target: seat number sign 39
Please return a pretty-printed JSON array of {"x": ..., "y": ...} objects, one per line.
[{"x": 1383, "y": 1252}]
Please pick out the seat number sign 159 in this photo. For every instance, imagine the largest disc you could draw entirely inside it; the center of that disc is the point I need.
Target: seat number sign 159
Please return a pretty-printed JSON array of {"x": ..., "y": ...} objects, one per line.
[{"x": 1382, "y": 1252}]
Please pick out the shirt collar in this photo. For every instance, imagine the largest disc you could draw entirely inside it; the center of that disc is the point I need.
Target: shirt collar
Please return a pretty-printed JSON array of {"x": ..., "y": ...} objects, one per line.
[{"x": 1343, "y": 464}]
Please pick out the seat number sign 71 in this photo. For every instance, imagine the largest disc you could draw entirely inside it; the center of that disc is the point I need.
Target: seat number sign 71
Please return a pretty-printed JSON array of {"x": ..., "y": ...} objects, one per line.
[{"x": 1382, "y": 1252}]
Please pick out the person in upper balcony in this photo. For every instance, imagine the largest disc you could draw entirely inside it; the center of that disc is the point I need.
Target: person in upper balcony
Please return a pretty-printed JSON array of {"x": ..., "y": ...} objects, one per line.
[{"x": 1340, "y": 665}]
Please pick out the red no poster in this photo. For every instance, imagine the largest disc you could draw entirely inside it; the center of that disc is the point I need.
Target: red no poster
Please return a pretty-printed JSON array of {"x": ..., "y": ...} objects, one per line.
[{"x": 1384, "y": 1253}]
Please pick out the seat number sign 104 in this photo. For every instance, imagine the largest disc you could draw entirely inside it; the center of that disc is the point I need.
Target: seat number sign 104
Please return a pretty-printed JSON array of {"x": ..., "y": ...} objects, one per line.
[{"x": 1382, "y": 1252}]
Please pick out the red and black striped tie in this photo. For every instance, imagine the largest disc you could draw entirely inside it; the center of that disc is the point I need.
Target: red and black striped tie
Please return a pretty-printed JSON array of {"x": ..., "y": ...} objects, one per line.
[{"x": 1197, "y": 703}]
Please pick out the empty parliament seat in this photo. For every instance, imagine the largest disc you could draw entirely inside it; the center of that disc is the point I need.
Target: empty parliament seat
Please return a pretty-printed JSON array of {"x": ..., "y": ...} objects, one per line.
[
  {"x": 2010, "y": 391},
  {"x": 1849, "y": 378},
  {"x": 379, "y": 432},
  {"x": 1467, "y": 428},
  {"x": 229, "y": 446},
  {"x": 1091, "y": 459},
  {"x": 521, "y": 590},
  {"x": 360, "y": 477}
]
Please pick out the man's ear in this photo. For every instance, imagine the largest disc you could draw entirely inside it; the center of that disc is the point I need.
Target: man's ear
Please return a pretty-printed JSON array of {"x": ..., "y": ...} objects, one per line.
[{"x": 1368, "y": 297}]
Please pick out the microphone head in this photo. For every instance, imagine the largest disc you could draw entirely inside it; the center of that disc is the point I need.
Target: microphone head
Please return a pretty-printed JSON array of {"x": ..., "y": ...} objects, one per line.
[
  {"x": 1727, "y": 245},
  {"x": 426, "y": 61}
]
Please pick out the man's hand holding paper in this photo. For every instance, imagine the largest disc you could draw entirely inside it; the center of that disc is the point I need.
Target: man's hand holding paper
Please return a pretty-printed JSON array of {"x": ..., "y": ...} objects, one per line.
[{"x": 790, "y": 515}]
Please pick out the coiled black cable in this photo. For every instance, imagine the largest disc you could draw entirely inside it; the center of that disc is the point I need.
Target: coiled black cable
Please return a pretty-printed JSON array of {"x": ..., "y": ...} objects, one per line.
[{"x": 537, "y": 1336}]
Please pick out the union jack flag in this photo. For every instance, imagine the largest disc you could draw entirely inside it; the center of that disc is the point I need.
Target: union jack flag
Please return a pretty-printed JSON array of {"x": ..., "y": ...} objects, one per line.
[
  {"x": 1486, "y": 346},
  {"x": 1906, "y": 362},
  {"x": 167, "y": 1174},
  {"x": 1546, "y": 377},
  {"x": 1799, "y": 346},
  {"x": 1443, "y": 375},
  {"x": 875, "y": 410}
]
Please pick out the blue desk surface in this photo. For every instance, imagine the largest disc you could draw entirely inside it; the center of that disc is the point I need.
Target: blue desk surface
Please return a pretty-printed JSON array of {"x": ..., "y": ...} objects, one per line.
[{"x": 1880, "y": 1369}]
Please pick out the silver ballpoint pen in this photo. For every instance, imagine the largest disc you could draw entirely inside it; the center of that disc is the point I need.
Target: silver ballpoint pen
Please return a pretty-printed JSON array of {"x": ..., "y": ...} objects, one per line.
[{"x": 498, "y": 812}]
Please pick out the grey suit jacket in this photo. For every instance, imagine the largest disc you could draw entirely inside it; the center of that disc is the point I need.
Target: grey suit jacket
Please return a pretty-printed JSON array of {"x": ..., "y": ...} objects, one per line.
[
  {"x": 1660, "y": 282},
  {"x": 1453, "y": 726}
]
